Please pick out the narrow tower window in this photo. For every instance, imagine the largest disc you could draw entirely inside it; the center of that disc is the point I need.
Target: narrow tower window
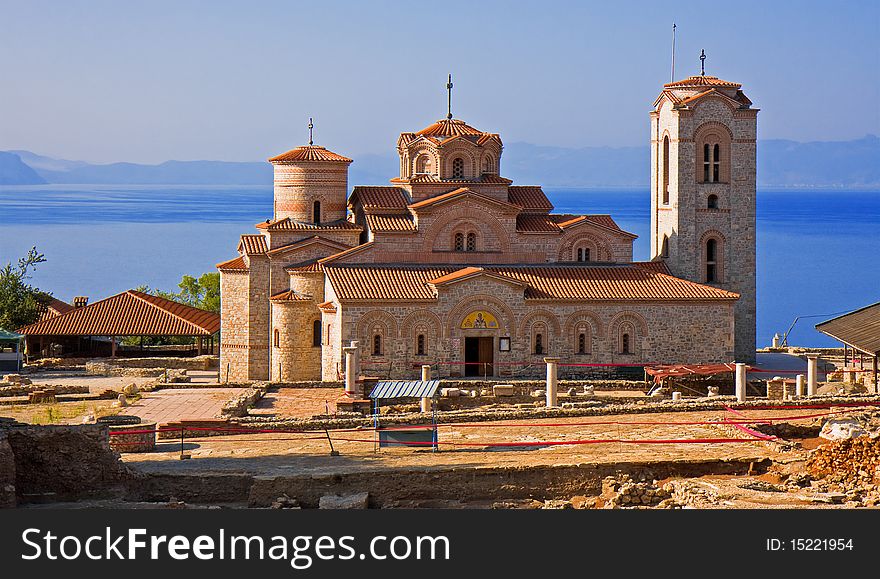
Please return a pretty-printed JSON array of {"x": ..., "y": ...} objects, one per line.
[
  {"x": 277, "y": 339},
  {"x": 488, "y": 164},
  {"x": 459, "y": 242},
  {"x": 666, "y": 170},
  {"x": 316, "y": 333},
  {"x": 711, "y": 260},
  {"x": 712, "y": 202},
  {"x": 716, "y": 163},
  {"x": 458, "y": 168},
  {"x": 706, "y": 163},
  {"x": 377, "y": 345},
  {"x": 624, "y": 344},
  {"x": 539, "y": 343},
  {"x": 664, "y": 247},
  {"x": 471, "y": 241},
  {"x": 583, "y": 254},
  {"x": 582, "y": 343},
  {"x": 316, "y": 212},
  {"x": 420, "y": 345}
]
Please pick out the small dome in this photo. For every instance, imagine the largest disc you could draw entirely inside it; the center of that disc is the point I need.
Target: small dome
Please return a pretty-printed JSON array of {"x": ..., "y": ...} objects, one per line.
[
  {"x": 309, "y": 153},
  {"x": 702, "y": 81},
  {"x": 449, "y": 128}
]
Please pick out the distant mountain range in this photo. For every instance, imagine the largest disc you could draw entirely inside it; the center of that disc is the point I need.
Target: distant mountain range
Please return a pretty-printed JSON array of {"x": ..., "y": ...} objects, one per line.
[{"x": 781, "y": 163}]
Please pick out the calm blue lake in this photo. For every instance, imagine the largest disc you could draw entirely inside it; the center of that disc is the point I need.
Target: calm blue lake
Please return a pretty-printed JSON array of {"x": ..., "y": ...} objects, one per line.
[{"x": 817, "y": 250}]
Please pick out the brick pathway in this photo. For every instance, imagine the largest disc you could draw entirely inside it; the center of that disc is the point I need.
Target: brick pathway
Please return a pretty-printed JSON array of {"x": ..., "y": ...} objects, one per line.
[
  {"x": 172, "y": 405},
  {"x": 297, "y": 402}
]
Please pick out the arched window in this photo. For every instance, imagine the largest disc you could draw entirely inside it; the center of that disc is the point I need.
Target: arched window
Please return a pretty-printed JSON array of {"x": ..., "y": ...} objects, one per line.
[
  {"x": 706, "y": 163},
  {"x": 624, "y": 344},
  {"x": 420, "y": 345},
  {"x": 277, "y": 339},
  {"x": 488, "y": 164},
  {"x": 666, "y": 169},
  {"x": 711, "y": 260},
  {"x": 423, "y": 164},
  {"x": 459, "y": 242},
  {"x": 712, "y": 203},
  {"x": 582, "y": 343},
  {"x": 583, "y": 254},
  {"x": 316, "y": 333},
  {"x": 316, "y": 212},
  {"x": 458, "y": 168},
  {"x": 539, "y": 343},
  {"x": 716, "y": 163},
  {"x": 471, "y": 241},
  {"x": 377, "y": 344},
  {"x": 664, "y": 247},
  {"x": 327, "y": 335}
]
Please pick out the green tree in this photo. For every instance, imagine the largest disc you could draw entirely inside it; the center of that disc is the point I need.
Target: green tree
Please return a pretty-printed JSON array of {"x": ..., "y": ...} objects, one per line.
[
  {"x": 202, "y": 292},
  {"x": 21, "y": 303}
]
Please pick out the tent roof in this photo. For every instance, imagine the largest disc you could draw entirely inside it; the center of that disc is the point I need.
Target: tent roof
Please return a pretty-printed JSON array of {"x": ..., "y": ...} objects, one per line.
[
  {"x": 405, "y": 389},
  {"x": 6, "y": 336},
  {"x": 859, "y": 329}
]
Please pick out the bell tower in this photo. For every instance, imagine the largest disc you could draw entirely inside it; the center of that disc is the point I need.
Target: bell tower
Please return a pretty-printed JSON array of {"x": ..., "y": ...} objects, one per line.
[{"x": 703, "y": 180}]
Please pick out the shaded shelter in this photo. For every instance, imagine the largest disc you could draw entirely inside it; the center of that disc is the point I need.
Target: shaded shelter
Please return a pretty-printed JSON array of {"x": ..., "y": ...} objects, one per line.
[
  {"x": 10, "y": 351},
  {"x": 859, "y": 331}
]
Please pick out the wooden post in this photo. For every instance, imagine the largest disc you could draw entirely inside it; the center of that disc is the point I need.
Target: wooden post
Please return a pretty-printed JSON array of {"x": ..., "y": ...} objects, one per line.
[
  {"x": 874, "y": 373},
  {"x": 112, "y": 346}
]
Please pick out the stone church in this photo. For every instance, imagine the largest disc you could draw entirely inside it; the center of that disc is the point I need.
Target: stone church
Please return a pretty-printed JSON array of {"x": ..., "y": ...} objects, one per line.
[{"x": 453, "y": 265}]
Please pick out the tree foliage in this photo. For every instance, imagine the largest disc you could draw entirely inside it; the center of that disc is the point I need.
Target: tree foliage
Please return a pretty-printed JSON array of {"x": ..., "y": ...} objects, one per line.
[{"x": 21, "y": 303}]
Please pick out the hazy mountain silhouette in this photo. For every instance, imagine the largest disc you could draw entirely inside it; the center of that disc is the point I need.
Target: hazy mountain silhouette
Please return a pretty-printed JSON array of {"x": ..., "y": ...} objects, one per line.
[{"x": 781, "y": 163}]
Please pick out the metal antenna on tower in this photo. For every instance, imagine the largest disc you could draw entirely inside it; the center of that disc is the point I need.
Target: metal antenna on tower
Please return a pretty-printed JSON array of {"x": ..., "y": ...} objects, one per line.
[
  {"x": 311, "y": 126},
  {"x": 673, "y": 52},
  {"x": 449, "y": 97},
  {"x": 702, "y": 62}
]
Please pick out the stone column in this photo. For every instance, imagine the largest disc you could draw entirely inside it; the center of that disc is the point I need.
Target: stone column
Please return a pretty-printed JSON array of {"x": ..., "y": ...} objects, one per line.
[
  {"x": 551, "y": 380},
  {"x": 812, "y": 374},
  {"x": 350, "y": 376},
  {"x": 357, "y": 359},
  {"x": 740, "y": 382},
  {"x": 799, "y": 388},
  {"x": 426, "y": 375}
]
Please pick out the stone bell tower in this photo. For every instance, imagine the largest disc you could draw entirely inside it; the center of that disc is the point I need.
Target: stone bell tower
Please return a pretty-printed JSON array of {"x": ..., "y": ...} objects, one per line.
[{"x": 703, "y": 175}]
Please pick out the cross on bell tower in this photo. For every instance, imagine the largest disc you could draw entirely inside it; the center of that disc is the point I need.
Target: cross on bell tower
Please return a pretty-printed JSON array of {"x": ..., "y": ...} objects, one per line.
[
  {"x": 449, "y": 97},
  {"x": 702, "y": 62},
  {"x": 311, "y": 126}
]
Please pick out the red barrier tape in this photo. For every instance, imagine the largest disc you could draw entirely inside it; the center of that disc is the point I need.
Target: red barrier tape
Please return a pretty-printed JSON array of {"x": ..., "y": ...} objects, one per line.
[{"x": 565, "y": 442}]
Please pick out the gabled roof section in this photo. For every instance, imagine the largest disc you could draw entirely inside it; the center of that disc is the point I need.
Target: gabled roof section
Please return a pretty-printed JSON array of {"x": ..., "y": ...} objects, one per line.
[
  {"x": 445, "y": 128},
  {"x": 394, "y": 223},
  {"x": 310, "y": 266},
  {"x": 130, "y": 313},
  {"x": 532, "y": 223},
  {"x": 467, "y": 273},
  {"x": 372, "y": 198},
  {"x": 55, "y": 307},
  {"x": 288, "y": 224},
  {"x": 859, "y": 329},
  {"x": 530, "y": 198},
  {"x": 457, "y": 193},
  {"x": 253, "y": 244},
  {"x": 309, "y": 153},
  {"x": 236, "y": 264},
  {"x": 707, "y": 93},
  {"x": 347, "y": 253},
  {"x": 566, "y": 221},
  {"x": 315, "y": 239},
  {"x": 291, "y": 296}
]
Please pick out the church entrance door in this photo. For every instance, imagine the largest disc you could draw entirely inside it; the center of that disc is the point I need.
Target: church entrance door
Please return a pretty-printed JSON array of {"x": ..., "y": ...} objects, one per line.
[{"x": 478, "y": 356}]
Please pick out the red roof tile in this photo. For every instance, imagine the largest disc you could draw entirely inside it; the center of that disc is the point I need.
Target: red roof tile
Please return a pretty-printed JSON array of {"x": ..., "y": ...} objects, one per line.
[
  {"x": 291, "y": 296},
  {"x": 310, "y": 266},
  {"x": 608, "y": 282},
  {"x": 467, "y": 272},
  {"x": 700, "y": 81},
  {"x": 449, "y": 128},
  {"x": 566, "y": 220},
  {"x": 529, "y": 197},
  {"x": 494, "y": 179},
  {"x": 309, "y": 153},
  {"x": 236, "y": 264},
  {"x": 306, "y": 242},
  {"x": 130, "y": 313},
  {"x": 379, "y": 197},
  {"x": 288, "y": 224},
  {"x": 55, "y": 307},
  {"x": 253, "y": 244},
  {"x": 390, "y": 223},
  {"x": 531, "y": 223},
  {"x": 457, "y": 193},
  {"x": 346, "y": 253}
]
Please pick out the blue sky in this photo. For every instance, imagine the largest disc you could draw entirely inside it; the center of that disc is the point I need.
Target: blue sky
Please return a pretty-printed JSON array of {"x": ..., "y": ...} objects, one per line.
[{"x": 150, "y": 81}]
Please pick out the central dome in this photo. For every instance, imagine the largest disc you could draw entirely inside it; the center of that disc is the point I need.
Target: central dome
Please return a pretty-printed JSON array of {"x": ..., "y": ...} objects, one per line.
[{"x": 449, "y": 128}]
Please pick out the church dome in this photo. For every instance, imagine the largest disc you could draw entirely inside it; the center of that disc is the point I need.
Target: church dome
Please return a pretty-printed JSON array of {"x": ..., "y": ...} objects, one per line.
[
  {"x": 700, "y": 81},
  {"x": 445, "y": 128},
  {"x": 309, "y": 153}
]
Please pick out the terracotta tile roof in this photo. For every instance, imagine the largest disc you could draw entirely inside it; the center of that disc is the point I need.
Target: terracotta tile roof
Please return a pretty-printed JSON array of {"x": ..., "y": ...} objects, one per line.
[
  {"x": 395, "y": 222},
  {"x": 605, "y": 282},
  {"x": 702, "y": 80},
  {"x": 309, "y": 153},
  {"x": 494, "y": 179},
  {"x": 252, "y": 244},
  {"x": 529, "y": 197},
  {"x": 714, "y": 91},
  {"x": 310, "y": 266},
  {"x": 288, "y": 224},
  {"x": 379, "y": 197},
  {"x": 655, "y": 266},
  {"x": 346, "y": 253},
  {"x": 606, "y": 221},
  {"x": 328, "y": 307},
  {"x": 486, "y": 137},
  {"x": 531, "y": 223},
  {"x": 131, "y": 313},
  {"x": 449, "y": 128},
  {"x": 457, "y": 193},
  {"x": 55, "y": 307},
  {"x": 291, "y": 296},
  {"x": 306, "y": 242},
  {"x": 236, "y": 264},
  {"x": 467, "y": 272}
]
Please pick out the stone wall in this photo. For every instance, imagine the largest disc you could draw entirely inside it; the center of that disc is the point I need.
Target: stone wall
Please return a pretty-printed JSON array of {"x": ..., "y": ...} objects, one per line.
[{"x": 7, "y": 473}]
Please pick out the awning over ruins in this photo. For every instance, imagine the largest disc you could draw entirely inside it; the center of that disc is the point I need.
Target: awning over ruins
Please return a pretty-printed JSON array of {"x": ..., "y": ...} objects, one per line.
[
  {"x": 859, "y": 329},
  {"x": 405, "y": 389},
  {"x": 673, "y": 370}
]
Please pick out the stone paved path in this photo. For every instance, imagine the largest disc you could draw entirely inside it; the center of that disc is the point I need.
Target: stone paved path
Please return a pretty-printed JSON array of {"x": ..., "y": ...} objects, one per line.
[{"x": 172, "y": 405}]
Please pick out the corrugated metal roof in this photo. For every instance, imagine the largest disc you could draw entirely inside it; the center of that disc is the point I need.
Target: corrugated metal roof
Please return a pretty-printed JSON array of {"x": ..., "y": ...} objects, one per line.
[
  {"x": 405, "y": 389},
  {"x": 859, "y": 329},
  {"x": 130, "y": 313}
]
